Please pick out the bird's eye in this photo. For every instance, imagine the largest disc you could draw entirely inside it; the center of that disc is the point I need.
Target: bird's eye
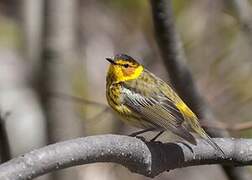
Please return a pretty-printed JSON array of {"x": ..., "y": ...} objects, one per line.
[{"x": 126, "y": 65}]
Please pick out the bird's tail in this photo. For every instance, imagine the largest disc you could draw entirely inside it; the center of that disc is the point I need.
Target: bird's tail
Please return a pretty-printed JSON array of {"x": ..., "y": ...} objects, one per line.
[
  {"x": 212, "y": 143},
  {"x": 193, "y": 121},
  {"x": 201, "y": 132}
]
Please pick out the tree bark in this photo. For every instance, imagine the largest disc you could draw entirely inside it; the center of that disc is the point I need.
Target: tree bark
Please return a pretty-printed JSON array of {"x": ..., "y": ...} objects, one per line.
[{"x": 146, "y": 158}]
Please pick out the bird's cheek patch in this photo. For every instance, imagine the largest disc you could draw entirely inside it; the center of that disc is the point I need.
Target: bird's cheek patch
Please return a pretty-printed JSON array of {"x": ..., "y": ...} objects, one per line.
[{"x": 128, "y": 71}]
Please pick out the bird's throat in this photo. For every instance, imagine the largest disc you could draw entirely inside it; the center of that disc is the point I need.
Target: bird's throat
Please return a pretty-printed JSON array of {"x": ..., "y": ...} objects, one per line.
[
  {"x": 131, "y": 74},
  {"x": 121, "y": 76}
]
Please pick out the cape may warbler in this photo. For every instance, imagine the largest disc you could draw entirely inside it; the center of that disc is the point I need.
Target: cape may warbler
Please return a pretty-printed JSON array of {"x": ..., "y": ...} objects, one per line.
[{"x": 145, "y": 101}]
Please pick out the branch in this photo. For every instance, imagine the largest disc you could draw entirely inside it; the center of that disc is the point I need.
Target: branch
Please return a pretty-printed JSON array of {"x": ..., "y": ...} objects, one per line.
[
  {"x": 175, "y": 61},
  {"x": 173, "y": 54},
  {"x": 146, "y": 158},
  {"x": 243, "y": 14}
]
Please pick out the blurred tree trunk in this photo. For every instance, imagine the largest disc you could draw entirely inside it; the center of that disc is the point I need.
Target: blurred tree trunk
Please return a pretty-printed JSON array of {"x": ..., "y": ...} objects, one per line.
[
  {"x": 20, "y": 110},
  {"x": 17, "y": 99},
  {"x": 59, "y": 58},
  {"x": 31, "y": 18},
  {"x": 32, "y": 31}
]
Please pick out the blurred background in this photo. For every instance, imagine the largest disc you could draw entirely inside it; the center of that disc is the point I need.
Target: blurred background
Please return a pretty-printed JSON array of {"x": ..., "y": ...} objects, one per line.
[{"x": 52, "y": 60}]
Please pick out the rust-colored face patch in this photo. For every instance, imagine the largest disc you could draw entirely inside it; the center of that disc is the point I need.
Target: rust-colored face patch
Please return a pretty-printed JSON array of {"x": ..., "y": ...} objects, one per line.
[{"x": 128, "y": 71}]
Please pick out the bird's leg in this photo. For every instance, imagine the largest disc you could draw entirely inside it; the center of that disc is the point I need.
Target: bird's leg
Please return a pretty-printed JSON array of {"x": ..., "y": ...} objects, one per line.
[
  {"x": 153, "y": 139},
  {"x": 141, "y": 132}
]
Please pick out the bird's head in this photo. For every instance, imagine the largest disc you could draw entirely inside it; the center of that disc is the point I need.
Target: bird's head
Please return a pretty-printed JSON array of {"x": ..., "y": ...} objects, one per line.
[{"x": 123, "y": 68}]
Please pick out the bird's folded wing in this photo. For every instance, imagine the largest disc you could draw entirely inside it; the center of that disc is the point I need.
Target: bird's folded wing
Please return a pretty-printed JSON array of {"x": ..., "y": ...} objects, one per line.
[{"x": 159, "y": 111}]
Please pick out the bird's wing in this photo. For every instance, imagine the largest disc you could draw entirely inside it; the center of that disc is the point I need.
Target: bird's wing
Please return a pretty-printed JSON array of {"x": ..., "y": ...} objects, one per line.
[{"x": 159, "y": 111}]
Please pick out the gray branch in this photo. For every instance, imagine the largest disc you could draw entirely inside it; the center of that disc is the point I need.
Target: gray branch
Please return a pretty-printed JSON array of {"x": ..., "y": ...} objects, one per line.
[
  {"x": 146, "y": 158},
  {"x": 175, "y": 62},
  {"x": 243, "y": 14},
  {"x": 173, "y": 55}
]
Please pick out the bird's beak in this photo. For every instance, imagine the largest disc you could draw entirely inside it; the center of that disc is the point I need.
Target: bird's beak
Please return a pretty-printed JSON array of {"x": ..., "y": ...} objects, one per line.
[{"x": 110, "y": 60}]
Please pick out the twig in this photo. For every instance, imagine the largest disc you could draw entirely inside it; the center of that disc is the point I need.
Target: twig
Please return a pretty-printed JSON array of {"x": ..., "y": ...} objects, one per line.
[
  {"x": 241, "y": 126},
  {"x": 146, "y": 158},
  {"x": 214, "y": 124},
  {"x": 229, "y": 127},
  {"x": 75, "y": 99}
]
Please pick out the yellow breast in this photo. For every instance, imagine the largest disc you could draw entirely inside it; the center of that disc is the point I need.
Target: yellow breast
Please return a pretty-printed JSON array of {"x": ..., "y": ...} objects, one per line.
[{"x": 115, "y": 101}]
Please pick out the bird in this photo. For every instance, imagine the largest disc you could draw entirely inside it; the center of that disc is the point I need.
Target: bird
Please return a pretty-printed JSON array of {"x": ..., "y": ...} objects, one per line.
[{"x": 143, "y": 100}]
